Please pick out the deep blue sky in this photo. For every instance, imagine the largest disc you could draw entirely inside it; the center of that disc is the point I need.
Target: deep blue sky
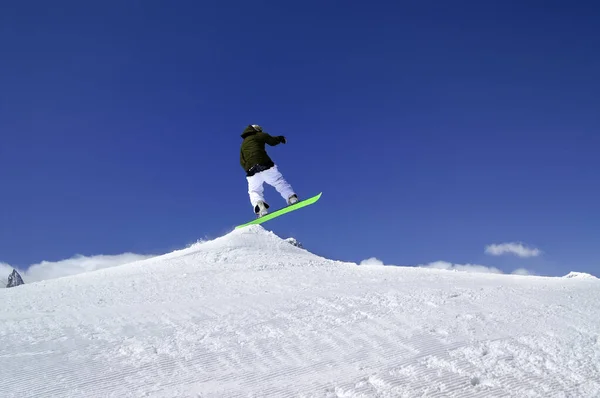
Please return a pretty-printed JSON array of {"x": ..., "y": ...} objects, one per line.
[{"x": 433, "y": 128}]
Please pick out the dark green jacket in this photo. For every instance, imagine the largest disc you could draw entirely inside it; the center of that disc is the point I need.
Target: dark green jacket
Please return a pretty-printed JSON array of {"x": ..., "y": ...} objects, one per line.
[{"x": 253, "y": 151}]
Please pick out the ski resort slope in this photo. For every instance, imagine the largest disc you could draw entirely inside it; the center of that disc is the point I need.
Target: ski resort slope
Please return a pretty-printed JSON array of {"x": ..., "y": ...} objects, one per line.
[{"x": 250, "y": 315}]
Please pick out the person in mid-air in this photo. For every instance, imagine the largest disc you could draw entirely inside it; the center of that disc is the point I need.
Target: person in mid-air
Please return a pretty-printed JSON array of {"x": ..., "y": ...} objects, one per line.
[{"x": 261, "y": 169}]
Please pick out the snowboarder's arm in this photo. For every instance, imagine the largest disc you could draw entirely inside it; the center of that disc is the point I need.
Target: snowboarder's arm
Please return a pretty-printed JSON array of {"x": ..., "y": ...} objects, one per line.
[{"x": 269, "y": 139}]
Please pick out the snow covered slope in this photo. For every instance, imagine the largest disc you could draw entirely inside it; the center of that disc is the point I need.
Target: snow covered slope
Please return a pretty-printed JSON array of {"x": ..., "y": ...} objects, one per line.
[{"x": 250, "y": 315}]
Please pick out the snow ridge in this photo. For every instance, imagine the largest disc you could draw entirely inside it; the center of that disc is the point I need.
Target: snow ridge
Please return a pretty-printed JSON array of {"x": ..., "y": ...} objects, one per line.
[
  {"x": 581, "y": 275},
  {"x": 249, "y": 314}
]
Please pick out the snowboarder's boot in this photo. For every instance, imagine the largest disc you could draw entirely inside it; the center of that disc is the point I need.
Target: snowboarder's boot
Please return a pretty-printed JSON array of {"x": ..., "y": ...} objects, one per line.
[
  {"x": 261, "y": 209},
  {"x": 293, "y": 199}
]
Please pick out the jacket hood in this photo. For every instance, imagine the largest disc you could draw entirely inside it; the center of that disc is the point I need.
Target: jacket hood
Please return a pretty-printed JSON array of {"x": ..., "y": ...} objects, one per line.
[{"x": 248, "y": 131}]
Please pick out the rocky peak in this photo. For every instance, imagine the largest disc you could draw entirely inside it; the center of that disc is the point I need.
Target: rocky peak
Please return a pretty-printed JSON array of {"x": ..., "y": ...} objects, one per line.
[
  {"x": 294, "y": 242},
  {"x": 14, "y": 279}
]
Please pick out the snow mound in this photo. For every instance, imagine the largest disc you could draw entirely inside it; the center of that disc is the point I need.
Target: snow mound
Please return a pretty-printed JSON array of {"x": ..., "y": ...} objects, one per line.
[
  {"x": 580, "y": 275},
  {"x": 250, "y": 247},
  {"x": 249, "y": 314}
]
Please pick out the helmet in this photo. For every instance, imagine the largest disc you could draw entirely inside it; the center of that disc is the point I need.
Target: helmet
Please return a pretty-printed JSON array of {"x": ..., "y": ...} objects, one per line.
[{"x": 250, "y": 130}]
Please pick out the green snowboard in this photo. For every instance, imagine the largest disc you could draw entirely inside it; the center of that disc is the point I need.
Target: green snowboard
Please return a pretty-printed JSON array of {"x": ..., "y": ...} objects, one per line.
[{"x": 279, "y": 212}]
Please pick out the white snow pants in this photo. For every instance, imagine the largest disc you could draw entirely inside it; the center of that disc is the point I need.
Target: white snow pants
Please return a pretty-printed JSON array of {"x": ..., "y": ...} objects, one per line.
[{"x": 272, "y": 177}]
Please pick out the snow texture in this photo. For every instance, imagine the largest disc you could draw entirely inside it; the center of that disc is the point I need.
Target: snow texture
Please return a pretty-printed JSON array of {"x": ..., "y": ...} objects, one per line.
[{"x": 250, "y": 315}]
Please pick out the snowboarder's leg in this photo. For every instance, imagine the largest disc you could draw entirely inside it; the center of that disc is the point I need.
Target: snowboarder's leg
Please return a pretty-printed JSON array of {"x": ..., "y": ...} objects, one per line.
[
  {"x": 274, "y": 178},
  {"x": 256, "y": 193}
]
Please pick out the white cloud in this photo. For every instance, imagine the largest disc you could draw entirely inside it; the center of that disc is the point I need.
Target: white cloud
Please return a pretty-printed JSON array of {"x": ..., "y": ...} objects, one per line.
[
  {"x": 71, "y": 266},
  {"x": 461, "y": 267},
  {"x": 371, "y": 261},
  {"x": 522, "y": 271},
  {"x": 472, "y": 268},
  {"x": 516, "y": 248},
  {"x": 5, "y": 270},
  {"x": 445, "y": 265}
]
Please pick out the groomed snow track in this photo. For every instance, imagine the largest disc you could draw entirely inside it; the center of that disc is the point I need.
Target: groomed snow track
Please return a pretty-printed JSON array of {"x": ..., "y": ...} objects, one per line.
[{"x": 250, "y": 315}]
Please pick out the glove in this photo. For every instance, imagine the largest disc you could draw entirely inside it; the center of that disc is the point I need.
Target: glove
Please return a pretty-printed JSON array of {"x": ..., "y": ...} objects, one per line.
[{"x": 282, "y": 139}]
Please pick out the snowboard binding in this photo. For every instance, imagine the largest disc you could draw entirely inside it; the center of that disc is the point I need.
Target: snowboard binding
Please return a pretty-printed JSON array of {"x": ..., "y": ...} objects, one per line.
[{"x": 261, "y": 209}]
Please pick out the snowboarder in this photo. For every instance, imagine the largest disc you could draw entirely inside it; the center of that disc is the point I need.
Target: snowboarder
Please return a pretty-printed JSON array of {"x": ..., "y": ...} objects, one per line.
[{"x": 261, "y": 169}]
